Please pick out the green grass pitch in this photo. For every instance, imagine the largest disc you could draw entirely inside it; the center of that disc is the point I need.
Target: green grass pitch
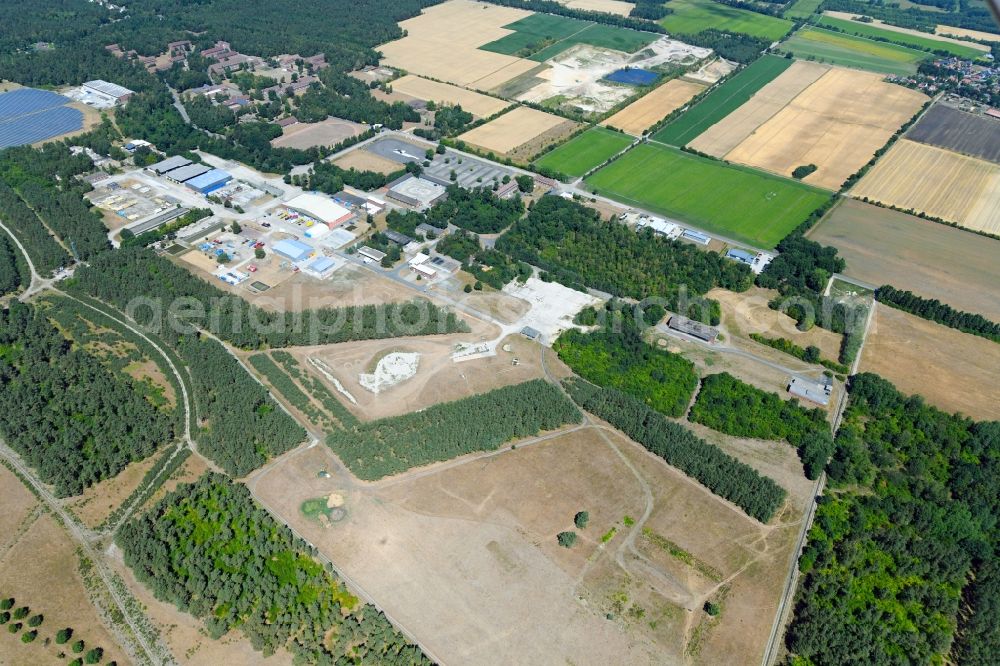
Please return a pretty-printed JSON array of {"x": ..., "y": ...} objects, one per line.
[
  {"x": 693, "y": 16},
  {"x": 584, "y": 152}
]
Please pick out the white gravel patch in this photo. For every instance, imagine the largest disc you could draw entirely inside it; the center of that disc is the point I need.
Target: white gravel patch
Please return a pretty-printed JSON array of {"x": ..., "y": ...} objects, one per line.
[{"x": 391, "y": 369}]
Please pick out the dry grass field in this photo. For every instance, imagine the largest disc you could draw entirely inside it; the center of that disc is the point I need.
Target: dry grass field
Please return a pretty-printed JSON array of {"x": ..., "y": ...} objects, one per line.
[
  {"x": 607, "y": 6},
  {"x": 650, "y": 109},
  {"x": 937, "y": 182},
  {"x": 936, "y": 36},
  {"x": 98, "y": 501},
  {"x": 475, "y": 539},
  {"x": 966, "y": 33},
  {"x": 329, "y": 132},
  {"x": 514, "y": 131},
  {"x": 481, "y": 106},
  {"x": 732, "y": 130},
  {"x": 350, "y": 285},
  {"x": 837, "y": 123},
  {"x": 953, "y": 371},
  {"x": 363, "y": 160},
  {"x": 443, "y": 43},
  {"x": 883, "y": 246}
]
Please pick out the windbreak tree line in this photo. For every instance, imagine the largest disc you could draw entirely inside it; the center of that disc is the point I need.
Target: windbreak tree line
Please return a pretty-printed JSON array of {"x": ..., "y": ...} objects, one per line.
[
  {"x": 576, "y": 248},
  {"x": 936, "y": 311},
  {"x": 210, "y": 550},
  {"x": 478, "y": 423},
  {"x": 901, "y": 562},
  {"x": 736, "y": 408},
  {"x": 74, "y": 420},
  {"x": 757, "y": 495}
]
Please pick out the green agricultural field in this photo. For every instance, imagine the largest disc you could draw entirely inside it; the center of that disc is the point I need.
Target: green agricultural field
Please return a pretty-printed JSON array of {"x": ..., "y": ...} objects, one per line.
[
  {"x": 543, "y": 36},
  {"x": 850, "y": 51},
  {"x": 923, "y": 43},
  {"x": 581, "y": 154},
  {"x": 741, "y": 203},
  {"x": 723, "y": 100},
  {"x": 692, "y": 16},
  {"x": 803, "y": 9}
]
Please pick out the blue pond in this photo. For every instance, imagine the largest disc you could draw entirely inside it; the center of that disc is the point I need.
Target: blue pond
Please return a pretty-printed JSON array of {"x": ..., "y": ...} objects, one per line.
[
  {"x": 635, "y": 77},
  {"x": 28, "y": 115}
]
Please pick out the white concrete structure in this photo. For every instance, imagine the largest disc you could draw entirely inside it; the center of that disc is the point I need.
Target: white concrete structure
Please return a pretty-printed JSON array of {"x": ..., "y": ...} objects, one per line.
[{"x": 320, "y": 208}]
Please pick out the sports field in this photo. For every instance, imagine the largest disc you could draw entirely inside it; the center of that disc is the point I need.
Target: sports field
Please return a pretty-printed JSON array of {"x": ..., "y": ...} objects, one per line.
[
  {"x": 543, "y": 36},
  {"x": 740, "y": 203},
  {"x": 723, "y": 100},
  {"x": 918, "y": 41},
  {"x": 803, "y": 9},
  {"x": 851, "y": 51},
  {"x": 583, "y": 153},
  {"x": 693, "y": 16}
]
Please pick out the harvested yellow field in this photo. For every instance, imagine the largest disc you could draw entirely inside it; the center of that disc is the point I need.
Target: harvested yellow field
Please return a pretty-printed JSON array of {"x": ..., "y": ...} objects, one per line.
[
  {"x": 607, "y": 6},
  {"x": 966, "y": 33},
  {"x": 505, "y": 134},
  {"x": 937, "y": 182},
  {"x": 644, "y": 113},
  {"x": 732, "y": 130},
  {"x": 837, "y": 123},
  {"x": 481, "y": 106},
  {"x": 443, "y": 43}
]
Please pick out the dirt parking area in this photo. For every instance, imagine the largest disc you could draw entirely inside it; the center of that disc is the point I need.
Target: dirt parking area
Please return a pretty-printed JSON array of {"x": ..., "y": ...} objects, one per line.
[
  {"x": 953, "y": 371},
  {"x": 329, "y": 132},
  {"x": 647, "y": 111},
  {"x": 937, "y": 182},
  {"x": 481, "y": 106},
  {"x": 518, "y": 131},
  {"x": 362, "y": 160}
]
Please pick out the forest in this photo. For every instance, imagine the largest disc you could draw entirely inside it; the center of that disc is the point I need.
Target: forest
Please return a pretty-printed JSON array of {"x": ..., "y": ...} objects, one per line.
[
  {"x": 757, "y": 495},
  {"x": 199, "y": 546},
  {"x": 911, "y": 521},
  {"x": 14, "y": 272},
  {"x": 736, "y": 408},
  {"x": 476, "y": 210},
  {"x": 74, "y": 420},
  {"x": 489, "y": 266},
  {"x": 45, "y": 253},
  {"x": 576, "y": 248},
  {"x": 130, "y": 273},
  {"x": 617, "y": 357},
  {"x": 936, "y": 311},
  {"x": 447, "y": 430},
  {"x": 731, "y": 46}
]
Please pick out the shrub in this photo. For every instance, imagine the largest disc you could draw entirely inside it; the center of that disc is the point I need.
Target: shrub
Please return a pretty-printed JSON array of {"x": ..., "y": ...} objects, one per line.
[
  {"x": 7, "y": 603},
  {"x": 581, "y": 519},
  {"x": 566, "y": 539},
  {"x": 94, "y": 656},
  {"x": 78, "y": 647},
  {"x": 29, "y": 636},
  {"x": 36, "y": 620},
  {"x": 63, "y": 635},
  {"x": 21, "y": 613},
  {"x": 4, "y": 617},
  {"x": 14, "y": 628},
  {"x": 712, "y": 609}
]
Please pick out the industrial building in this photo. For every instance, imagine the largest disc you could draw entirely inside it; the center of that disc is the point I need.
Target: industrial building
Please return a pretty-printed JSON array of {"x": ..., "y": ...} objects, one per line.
[
  {"x": 693, "y": 328},
  {"x": 741, "y": 256},
  {"x": 371, "y": 253},
  {"x": 323, "y": 209},
  {"x": 186, "y": 173},
  {"x": 209, "y": 181},
  {"x": 163, "y": 166},
  {"x": 292, "y": 249},
  {"x": 696, "y": 236},
  {"x": 418, "y": 193},
  {"x": 399, "y": 239},
  {"x": 818, "y": 392},
  {"x": 321, "y": 266},
  {"x": 111, "y": 93}
]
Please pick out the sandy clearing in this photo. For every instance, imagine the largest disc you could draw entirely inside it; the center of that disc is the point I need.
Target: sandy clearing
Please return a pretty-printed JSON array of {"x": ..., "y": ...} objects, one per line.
[
  {"x": 98, "y": 501},
  {"x": 17, "y": 502},
  {"x": 711, "y": 72},
  {"x": 848, "y": 16},
  {"x": 954, "y": 371},
  {"x": 607, "y": 6},
  {"x": 363, "y": 160},
  {"x": 329, "y": 132},
  {"x": 513, "y": 129},
  {"x": 837, "y": 123},
  {"x": 729, "y": 132},
  {"x": 481, "y": 106},
  {"x": 937, "y": 182},
  {"x": 968, "y": 34},
  {"x": 644, "y": 113}
]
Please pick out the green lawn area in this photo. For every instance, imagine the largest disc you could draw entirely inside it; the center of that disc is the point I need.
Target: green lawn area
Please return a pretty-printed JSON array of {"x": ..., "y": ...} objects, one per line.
[
  {"x": 691, "y": 16},
  {"x": 925, "y": 43},
  {"x": 741, "y": 203},
  {"x": 849, "y": 51},
  {"x": 543, "y": 36},
  {"x": 584, "y": 152},
  {"x": 723, "y": 100},
  {"x": 803, "y": 9}
]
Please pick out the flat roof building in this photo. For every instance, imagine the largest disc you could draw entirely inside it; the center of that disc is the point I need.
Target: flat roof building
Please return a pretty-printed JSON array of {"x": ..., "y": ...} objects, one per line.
[
  {"x": 399, "y": 239},
  {"x": 416, "y": 192},
  {"x": 320, "y": 208},
  {"x": 209, "y": 181},
  {"x": 818, "y": 392},
  {"x": 531, "y": 333},
  {"x": 321, "y": 266},
  {"x": 186, "y": 173},
  {"x": 696, "y": 236},
  {"x": 693, "y": 328},
  {"x": 112, "y": 92},
  {"x": 371, "y": 253},
  {"x": 741, "y": 256},
  {"x": 163, "y": 166},
  {"x": 292, "y": 249}
]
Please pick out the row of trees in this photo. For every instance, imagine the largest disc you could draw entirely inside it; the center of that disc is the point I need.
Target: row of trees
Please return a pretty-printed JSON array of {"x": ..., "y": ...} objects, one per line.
[
  {"x": 575, "y": 247},
  {"x": 284, "y": 385},
  {"x": 757, "y": 495},
  {"x": 736, "y": 408},
  {"x": 935, "y": 310},
  {"x": 912, "y": 521},
  {"x": 210, "y": 550},
  {"x": 316, "y": 389},
  {"x": 479, "y": 423},
  {"x": 72, "y": 419}
]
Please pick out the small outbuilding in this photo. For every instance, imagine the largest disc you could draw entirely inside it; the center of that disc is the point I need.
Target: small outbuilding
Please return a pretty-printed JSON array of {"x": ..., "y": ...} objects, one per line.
[
  {"x": 693, "y": 328},
  {"x": 818, "y": 392}
]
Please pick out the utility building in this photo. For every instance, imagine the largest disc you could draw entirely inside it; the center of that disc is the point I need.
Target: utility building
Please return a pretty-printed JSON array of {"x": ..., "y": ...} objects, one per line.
[
  {"x": 292, "y": 249},
  {"x": 209, "y": 181},
  {"x": 112, "y": 93},
  {"x": 693, "y": 328}
]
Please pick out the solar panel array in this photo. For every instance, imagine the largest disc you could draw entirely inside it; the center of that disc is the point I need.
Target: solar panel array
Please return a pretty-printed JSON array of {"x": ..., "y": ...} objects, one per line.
[{"x": 28, "y": 115}]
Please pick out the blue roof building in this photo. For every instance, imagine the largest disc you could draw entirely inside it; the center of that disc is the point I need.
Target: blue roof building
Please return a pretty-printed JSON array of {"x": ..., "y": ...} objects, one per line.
[
  {"x": 209, "y": 182},
  {"x": 741, "y": 256},
  {"x": 292, "y": 249}
]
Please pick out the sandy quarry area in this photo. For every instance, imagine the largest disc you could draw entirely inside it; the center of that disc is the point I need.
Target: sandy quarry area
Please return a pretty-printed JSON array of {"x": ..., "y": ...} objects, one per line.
[
  {"x": 836, "y": 122},
  {"x": 938, "y": 182},
  {"x": 642, "y": 114},
  {"x": 517, "y": 128},
  {"x": 481, "y": 106},
  {"x": 711, "y": 71},
  {"x": 443, "y": 43}
]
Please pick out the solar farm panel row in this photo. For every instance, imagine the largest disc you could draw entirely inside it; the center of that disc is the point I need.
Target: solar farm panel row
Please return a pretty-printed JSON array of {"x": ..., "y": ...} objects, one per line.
[
  {"x": 38, "y": 126},
  {"x": 28, "y": 100}
]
